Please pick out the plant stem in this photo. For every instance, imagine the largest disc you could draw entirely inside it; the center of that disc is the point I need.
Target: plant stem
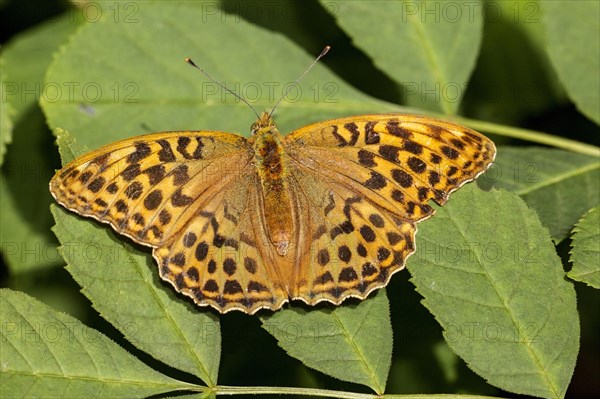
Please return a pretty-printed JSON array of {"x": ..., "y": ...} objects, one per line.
[
  {"x": 327, "y": 393},
  {"x": 531, "y": 135}
]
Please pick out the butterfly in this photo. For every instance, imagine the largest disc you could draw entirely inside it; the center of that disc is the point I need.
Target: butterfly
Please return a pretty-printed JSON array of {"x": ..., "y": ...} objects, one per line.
[{"x": 324, "y": 213}]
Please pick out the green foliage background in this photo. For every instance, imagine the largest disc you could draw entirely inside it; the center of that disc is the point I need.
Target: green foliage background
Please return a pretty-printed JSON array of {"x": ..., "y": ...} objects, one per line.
[{"x": 500, "y": 297}]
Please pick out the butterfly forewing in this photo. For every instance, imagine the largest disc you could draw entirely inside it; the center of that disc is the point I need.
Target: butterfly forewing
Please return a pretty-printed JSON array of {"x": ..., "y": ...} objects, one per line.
[{"x": 147, "y": 187}]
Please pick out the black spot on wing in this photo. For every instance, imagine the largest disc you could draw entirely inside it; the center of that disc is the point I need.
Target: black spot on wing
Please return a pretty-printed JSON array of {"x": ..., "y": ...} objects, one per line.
[
  {"x": 413, "y": 147},
  {"x": 377, "y": 220},
  {"x": 112, "y": 188},
  {"x": 201, "y": 251},
  {"x": 121, "y": 206},
  {"x": 393, "y": 127},
  {"x": 389, "y": 152},
  {"x": 180, "y": 175},
  {"x": 182, "y": 143},
  {"x": 153, "y": 200},
  {"x": 376, "y": 181},
  {"x": 232, "y": 287},
  {"x": 434, "y": 177},
  {"x": 131, "y": 171},
  {"x": 134, "y": 190},
  {"x": 166, "y": 152},
  {"x": 347, "y": 274},
  {"x": 65, "y": 172},
  {"x": 367, "y": 233},
  {"x": 142, "y": 150},
  {"x": 323, "y": 257},
  {"x": 164, "y": 216},
  {"x": 416, "y": 164},
  {"x": 155, "y": 174},
  {"x": 368, "y": 269},
  {"x": 189, "y": 239},
  {"x": 371, "y": 136},
  {"x": 257, "y": 287},
  {"x": 178, "y": 199},
  {"x": 324, "y": 279},
  {"x": 398, "y": 196},
  {"x": 229, "y": 266},
  {"x": 100, "y": 202},
  {"x": 366, "y": 158},
  {"x": 96, "y": 184},
  {"x": 355, "y": 134},
  {"x": 457, "y": 143},
  {"x": 85, "y": 176},
  {"x": 403, "y": 178},
  {"x": 450, "y": 152},
  {"x": 361, "y": 250},
  {"x": 211, "y": 286},
  {"x": 344, "y": 253},
  {"x": 423, "y": 193},
  {"x": 250, "y": 265},
  {"x": 193, "y": 274}
]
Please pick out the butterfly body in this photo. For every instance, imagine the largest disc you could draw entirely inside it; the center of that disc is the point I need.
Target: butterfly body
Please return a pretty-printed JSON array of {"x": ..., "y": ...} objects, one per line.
[
  {"x": 324, "y": 213},
  {"x": 269, "y": 156}
]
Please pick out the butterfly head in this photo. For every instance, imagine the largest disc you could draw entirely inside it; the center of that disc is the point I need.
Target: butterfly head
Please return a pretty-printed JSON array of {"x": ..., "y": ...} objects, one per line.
[{"x": 263, "y": 125}]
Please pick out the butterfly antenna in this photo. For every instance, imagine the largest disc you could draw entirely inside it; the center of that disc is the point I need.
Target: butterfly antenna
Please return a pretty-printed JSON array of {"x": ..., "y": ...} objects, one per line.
[
  {"x": 325, "y": 50},
  {"x": 192, "y": 63}
]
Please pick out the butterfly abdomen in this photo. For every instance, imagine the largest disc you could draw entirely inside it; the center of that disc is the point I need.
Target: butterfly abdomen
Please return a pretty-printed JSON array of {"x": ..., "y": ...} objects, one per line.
[{"x": 269, "y": 157}]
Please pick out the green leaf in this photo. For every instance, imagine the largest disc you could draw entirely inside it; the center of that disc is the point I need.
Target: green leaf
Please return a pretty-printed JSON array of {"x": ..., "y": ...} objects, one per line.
[
  {"x": 27, "y": 243},
  {"x": 559, "y": 185},
  {"x": 49, "y": 354},
  {"x": 68, "y": 147},
  {"x": 123, "y": 285},
  {"x": 351, "y": 342},
  {"x": 24, "y": 61},
  {"x": 585, "y": 252},
  {"x": 112, "y": 99},
  {"x": 428, "y": 48},
  {"x": 27, "y": 58},
  {"x": 499, "y": 292},
  {"x": 513, "y": 78},
  {"x": 572, "y": 32}
]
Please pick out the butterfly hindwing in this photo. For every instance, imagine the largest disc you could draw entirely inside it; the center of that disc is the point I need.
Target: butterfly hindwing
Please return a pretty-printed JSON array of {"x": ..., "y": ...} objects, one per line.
[
  {"x": 347, "y": 246},
  {"x": 222, "y": 256}
]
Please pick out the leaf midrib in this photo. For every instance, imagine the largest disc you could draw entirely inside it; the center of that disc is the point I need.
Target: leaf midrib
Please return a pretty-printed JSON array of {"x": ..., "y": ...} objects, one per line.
[
  {"x": 430, "y": 54},
  {"x": 178, "y": 385},
  {"x": 527, "y": 344},
  {"x": 170, "y": 319},
  {"x": 559, "y": 178},
  {"x": 168, "y": 316},
  {"x": 357, "y": 350}
]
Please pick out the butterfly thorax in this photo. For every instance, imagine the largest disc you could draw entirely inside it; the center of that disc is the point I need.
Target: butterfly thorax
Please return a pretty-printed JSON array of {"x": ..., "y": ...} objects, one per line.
[{"x": 269, "y": 157}]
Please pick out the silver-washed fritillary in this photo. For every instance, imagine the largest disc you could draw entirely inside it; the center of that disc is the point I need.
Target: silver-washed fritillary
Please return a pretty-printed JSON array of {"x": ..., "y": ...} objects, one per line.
[{"x": 324, "y": 213}]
